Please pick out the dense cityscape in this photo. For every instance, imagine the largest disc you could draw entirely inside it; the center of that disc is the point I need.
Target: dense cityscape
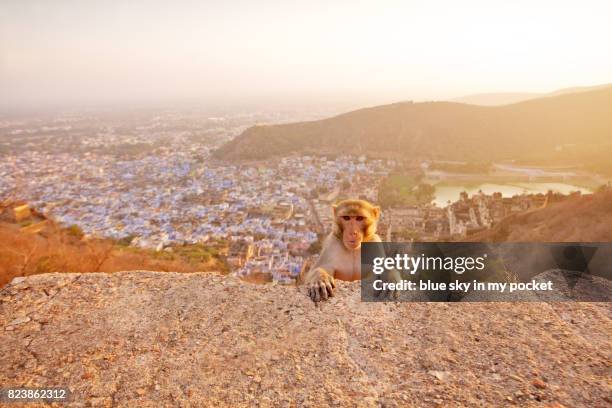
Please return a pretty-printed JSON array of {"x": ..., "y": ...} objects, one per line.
[
  {"x": 158, "y": 188},
  {"x": 154, "y": 182}
]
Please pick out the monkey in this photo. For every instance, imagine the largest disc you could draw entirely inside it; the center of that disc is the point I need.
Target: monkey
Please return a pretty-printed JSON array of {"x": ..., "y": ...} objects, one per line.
[{"x": 354, "y": 222}]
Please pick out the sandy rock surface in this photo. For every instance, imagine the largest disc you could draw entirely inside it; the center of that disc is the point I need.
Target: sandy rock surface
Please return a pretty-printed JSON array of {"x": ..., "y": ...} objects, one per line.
[{"x": 150, "y": 339}]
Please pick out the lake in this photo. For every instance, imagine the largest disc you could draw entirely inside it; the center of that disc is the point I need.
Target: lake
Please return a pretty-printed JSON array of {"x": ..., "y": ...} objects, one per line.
[{"x": 445, "y": 192}]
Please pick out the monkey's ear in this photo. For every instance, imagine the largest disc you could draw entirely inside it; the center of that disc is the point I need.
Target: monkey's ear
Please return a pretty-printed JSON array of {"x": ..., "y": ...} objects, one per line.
[
  {"x": 335, "y": 209},
  {"x": 376, "y": 212}
]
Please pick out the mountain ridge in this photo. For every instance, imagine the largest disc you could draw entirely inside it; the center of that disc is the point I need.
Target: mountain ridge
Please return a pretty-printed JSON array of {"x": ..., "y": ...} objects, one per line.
[
  {"x": 532, "y": 129},
  {"x": 507, "y": 98}
]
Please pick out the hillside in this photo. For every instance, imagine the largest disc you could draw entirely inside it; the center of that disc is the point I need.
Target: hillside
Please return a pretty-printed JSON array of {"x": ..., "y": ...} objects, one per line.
[
  {"x": 535, "y": 129},
  {"x": 576, "y": 219},
  {"x": 169, "y": 339},
  {"x": 40, "y": 245}
]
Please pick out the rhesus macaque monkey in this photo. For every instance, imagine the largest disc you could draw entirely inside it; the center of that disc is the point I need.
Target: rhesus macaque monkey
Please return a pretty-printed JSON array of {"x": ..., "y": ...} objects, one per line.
[{"x": 354, "y": 223}]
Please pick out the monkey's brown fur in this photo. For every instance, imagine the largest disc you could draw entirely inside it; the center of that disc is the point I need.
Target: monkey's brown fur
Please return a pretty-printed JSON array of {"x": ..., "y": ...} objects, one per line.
[{"x": 354, "y": 222}]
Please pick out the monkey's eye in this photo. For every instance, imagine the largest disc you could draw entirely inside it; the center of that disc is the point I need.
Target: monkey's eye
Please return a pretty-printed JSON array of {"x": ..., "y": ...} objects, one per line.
[
  {"x": 359, "y": 218},
  {"x": 346, "y": 217}
]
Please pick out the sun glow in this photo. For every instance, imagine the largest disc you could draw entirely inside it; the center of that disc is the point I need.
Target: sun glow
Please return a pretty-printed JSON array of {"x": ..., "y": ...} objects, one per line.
[{"x": 267, "y": 50}]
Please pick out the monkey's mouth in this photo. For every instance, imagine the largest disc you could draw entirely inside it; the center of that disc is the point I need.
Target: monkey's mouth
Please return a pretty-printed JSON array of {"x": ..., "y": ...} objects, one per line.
[{"x": 353, "y": 243}]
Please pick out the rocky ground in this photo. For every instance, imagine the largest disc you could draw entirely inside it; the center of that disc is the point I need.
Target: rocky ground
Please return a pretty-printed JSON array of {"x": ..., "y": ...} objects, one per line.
[{"x": 151, "y": 339}]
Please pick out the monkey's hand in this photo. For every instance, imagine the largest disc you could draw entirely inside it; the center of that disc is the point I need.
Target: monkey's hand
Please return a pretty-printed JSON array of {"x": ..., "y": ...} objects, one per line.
[
  {"x": 390, "y": 276},
  {"x": 320, "y": 285}
]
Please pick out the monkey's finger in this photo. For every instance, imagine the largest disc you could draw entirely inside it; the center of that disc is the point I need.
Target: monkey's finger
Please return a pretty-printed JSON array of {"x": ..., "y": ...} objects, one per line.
[
  {"x": 396, "y": 294},
  {"x": 333, "y": 283},
  {"x": 323, "y": 289},
  {"x": 313, "y": 293},
  {"x": 317, "y": 295},
  {"x": 330, "y": 289},
  {"x": 388, "y": 294}
]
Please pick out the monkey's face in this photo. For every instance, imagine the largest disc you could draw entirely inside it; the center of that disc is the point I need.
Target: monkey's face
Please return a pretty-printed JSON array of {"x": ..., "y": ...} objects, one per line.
[
  {"x": 355, "y": 222},
  {"x": 353, "y": 227}
]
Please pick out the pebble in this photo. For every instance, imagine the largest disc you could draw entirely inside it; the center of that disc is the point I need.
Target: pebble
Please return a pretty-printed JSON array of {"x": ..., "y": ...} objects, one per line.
[
  {"x": 20, "y": 320},
  {"x": 17, "y": 280},
  {"x": 440, "y": 375}
]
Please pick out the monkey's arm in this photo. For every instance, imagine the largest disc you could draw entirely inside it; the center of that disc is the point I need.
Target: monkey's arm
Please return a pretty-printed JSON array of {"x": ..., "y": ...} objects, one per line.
[
  {"x": 376, "y": 251},
  {"x": 324, "y": 261},
  {"x": 319, "y": 279}
]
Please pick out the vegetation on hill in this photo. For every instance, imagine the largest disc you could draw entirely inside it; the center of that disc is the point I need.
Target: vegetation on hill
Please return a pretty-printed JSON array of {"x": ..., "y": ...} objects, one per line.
[
  {"x": 401, "y": 188},
  {"x": 60, "y": 249},
  {"x": 565, "y": 127}
]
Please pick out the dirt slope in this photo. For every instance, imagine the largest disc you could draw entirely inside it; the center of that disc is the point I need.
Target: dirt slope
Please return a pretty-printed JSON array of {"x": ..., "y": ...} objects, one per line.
[{"x": 576, "y": 219}]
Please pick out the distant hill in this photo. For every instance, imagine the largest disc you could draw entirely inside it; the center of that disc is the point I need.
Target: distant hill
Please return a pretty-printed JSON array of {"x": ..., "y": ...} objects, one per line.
[
  {"x": 497, "y": 98},
  {"x": 576, "y": 219},
  {"x": 576, "y": 127},
  {"x": 506, "y": 98}
]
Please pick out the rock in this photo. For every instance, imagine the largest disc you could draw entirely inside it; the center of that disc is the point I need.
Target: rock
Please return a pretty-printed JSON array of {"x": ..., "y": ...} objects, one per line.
[
  {"x": 172, "y": 339},
  {"x": 19, "y": 320},
  {"x": 538, "y": 384},
  {"x": 440, "y": 375},
  {"x": 17, "y": 280}
]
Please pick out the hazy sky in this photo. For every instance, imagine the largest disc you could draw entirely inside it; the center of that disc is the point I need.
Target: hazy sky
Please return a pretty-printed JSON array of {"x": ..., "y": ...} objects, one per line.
[{"x": 296, "y": 52}]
